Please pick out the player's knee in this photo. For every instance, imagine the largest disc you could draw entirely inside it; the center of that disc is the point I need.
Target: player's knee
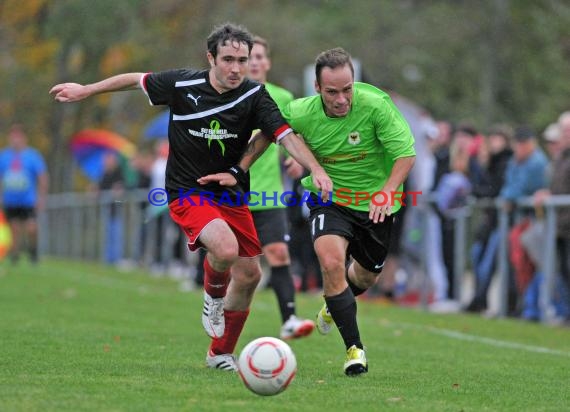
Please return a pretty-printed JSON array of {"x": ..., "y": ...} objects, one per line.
[
  {"x": 250, "y": 279},
  {"x": 277, "y": 255},
  {"x": 332, "y": 264},
  {"x": 368, "y": 280},
  {"x": 226, "y": 253}
]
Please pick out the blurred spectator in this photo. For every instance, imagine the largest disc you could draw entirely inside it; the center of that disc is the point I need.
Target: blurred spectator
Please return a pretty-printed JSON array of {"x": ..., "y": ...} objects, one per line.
[
  {"x": 526, "y": 173},
  {"x": 560, "y": 185},
  {"x": 440, "y": 149},
  {"x": 165, "y": 248},
  {"x": 142, "y": 164},
  {"x": 454, "y": 187},
  {"x": 425, "y": 131},
  {"x": 430, "y": 139},
  {"x": 552, "y": 136},
  {"x": 494, "y": 158},
  {"x": 526, "y": 170},
  {"x": 451, "y": 193},
  {"x": 466, "y": 139},
  {"x": 112, "y": 186},
  {"x": 24, "y": 183}
]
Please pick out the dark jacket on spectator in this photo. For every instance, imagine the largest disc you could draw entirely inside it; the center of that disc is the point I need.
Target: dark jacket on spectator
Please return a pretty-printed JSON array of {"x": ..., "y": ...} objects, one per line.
[
  {"x": 560, "y": 184},
  {"x": 489, "y": 186}
]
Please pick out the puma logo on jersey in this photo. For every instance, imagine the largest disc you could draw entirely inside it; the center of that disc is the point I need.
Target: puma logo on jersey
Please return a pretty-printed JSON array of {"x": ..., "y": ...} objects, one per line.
[{"x": 193, "y": 98}]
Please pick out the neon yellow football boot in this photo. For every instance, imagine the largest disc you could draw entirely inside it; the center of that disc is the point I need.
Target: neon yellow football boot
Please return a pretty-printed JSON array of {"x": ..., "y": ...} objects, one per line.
[
  {"x": 355, "y": 363},
  {"x": 324, "y": 320}
]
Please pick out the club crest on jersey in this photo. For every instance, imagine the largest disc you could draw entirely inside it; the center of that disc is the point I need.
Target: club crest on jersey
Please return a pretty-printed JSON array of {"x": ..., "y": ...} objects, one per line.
[{"x": 354, "y": 138}]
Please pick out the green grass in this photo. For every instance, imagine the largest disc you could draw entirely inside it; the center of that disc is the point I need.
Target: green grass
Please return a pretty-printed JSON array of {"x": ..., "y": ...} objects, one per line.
[{"x": 77, "y": 336}]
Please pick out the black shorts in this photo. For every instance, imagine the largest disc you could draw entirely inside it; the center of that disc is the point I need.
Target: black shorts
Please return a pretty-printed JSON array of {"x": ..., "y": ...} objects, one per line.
[
  {"x": 271, "y": 225},
  {"x": 19, "y": 213},
  {"x": 368, "y": 242}
]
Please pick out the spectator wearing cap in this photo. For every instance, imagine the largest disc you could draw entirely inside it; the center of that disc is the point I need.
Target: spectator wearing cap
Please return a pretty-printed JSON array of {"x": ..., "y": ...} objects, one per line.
[
  {"x": 552, "y": 138},
  {"x": 525, "y": 175},
  {"x": 560, "y": 185},
  {"x": 526, "y": 171}
]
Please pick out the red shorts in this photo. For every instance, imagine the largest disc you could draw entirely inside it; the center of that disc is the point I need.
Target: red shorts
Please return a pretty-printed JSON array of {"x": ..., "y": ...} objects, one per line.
[{"x": 192, "y": 219}]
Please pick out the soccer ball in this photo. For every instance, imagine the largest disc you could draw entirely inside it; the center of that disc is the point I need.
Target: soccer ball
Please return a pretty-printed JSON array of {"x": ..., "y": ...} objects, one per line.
[{"x": 267, "y": 366}]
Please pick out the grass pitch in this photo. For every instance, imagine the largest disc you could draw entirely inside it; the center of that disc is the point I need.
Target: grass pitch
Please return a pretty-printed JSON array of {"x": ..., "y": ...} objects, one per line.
[{"x": 83, "y": 337}]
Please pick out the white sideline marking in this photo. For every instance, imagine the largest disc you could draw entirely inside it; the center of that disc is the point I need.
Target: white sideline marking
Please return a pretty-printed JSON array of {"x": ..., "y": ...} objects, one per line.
[{"x": 488, "y": 341}]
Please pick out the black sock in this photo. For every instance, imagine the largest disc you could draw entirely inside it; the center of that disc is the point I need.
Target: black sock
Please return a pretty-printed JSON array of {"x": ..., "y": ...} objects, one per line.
[
  {"x": 342, "y": 308},
  {"x": 33, "y": 251},
  {"x": 282, "y": 283},
  {"x": 356, "y": 291}
]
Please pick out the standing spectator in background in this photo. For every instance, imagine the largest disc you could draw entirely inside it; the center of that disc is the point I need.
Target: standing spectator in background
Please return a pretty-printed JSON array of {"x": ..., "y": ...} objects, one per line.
[
  {"x": 425, "y": 132},
  {"x": 494, "y": 159},
  {"x": 437, "y": 271},
  {"x": 440, "y": 149},
  {"x": 158, "y": 226},
  {"x": 112, "y": 187},
  {"x": 142, "y": 164},
  {"x": 552, "y": 137},
  {"x": 454, "y": 187},
  {"x": 467, "y": 139},
  {"x": 450, "y": 195},
  {"x": 430, "y": 139},
  {"x": 560, "y": 185},
  {"x": 168, "y": 248},
  {"x": 525, "y": 174},
  {"x": 270, "y": 217},
  {"x": 24, "y": 185}
]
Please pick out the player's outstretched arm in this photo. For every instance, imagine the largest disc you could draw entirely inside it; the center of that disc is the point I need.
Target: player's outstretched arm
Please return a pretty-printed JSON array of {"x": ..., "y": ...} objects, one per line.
[
  {"x": 73, "y": 92},
  {"x": 301, "y": 153}
]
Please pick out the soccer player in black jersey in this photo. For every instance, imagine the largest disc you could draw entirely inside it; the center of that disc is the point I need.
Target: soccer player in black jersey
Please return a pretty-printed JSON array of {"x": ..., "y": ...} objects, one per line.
[{"x": 212, "y": 115}]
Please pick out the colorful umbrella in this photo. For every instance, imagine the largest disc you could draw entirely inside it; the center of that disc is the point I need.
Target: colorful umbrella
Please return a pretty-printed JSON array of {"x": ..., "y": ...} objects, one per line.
[
  {"x": 90, "y": 146},
  {"x": 157, "y": 128}
]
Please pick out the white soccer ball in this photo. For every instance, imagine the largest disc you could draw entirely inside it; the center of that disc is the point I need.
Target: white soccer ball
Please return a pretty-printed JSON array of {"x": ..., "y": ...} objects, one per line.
[{"x": 267, "y": 366}]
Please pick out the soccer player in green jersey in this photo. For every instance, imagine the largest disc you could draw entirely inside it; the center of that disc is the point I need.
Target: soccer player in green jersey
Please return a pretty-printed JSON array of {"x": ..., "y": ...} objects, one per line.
[
  {"x": 366, "y": 147},
  {"x": 269, "y": 214}
]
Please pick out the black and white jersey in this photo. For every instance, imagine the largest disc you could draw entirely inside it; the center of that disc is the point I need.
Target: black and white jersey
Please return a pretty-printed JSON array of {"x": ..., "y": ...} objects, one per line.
[{"x": 208, "y": 131}]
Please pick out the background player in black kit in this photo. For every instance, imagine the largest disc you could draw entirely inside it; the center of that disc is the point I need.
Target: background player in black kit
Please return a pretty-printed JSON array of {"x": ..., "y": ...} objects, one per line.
[{"x": 212, "y": 115}]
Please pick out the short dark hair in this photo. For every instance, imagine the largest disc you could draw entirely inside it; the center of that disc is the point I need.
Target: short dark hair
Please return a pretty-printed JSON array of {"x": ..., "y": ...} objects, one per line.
[
  {"x": 228, "y": 32},
  {"x": 332, "y": 59},
  {"x": 467, "y": 129},
  {"x": 502, "y": 130},
  {"x": 262, "y": 42}
]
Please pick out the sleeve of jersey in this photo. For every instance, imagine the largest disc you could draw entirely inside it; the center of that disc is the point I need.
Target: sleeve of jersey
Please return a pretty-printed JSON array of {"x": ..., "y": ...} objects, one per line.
[
  {"x": 269, "y": 118},
  {"x": 40, "y": 164},
  {"x": 393, "y": 131},
  {"x": 159, "y": 86}
]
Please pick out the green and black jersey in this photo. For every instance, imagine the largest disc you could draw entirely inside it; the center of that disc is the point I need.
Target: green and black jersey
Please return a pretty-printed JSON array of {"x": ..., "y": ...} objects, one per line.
[
  {"x": 358, "y": 150},
  {"x": 265, "y": 173}
]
